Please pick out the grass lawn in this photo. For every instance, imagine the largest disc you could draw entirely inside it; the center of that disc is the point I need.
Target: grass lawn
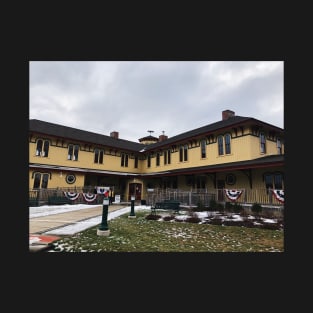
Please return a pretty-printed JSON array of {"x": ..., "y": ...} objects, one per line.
[{"x": 142, "y": 235}]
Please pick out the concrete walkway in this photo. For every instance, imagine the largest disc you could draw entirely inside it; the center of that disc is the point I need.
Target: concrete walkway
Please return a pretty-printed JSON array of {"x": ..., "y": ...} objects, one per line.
[{"x": 38, "y": 226}]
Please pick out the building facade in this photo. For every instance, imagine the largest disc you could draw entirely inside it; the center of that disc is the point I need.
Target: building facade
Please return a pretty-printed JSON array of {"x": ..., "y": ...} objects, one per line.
[{"x": 234, "y": 154}]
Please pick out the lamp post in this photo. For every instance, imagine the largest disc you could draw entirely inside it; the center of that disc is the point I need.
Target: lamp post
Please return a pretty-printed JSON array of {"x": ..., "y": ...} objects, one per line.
[
  {"x": 132, "y": 207},
  {"x": 103, "y": 229}
]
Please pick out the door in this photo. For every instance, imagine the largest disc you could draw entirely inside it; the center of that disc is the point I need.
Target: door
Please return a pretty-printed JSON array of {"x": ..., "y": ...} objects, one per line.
[{"x": 135, "y": 189}]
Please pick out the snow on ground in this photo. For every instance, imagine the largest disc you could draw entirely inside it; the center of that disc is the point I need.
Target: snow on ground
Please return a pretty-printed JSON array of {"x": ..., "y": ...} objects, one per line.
[
  {"x": 80, "y": 225},
  {"x": 45, "y": 210}
]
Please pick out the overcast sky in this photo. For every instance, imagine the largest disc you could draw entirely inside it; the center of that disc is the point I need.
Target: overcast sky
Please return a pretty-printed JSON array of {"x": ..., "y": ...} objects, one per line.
[{"x": 133, "y": 97}]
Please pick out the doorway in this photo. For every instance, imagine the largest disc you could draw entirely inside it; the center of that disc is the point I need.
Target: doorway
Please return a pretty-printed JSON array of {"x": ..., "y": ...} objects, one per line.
[{"x": 135, "y": 189}]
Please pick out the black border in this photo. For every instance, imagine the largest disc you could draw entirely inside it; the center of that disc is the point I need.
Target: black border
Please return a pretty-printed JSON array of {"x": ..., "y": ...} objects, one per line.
[{"x": 205, "y": 43}]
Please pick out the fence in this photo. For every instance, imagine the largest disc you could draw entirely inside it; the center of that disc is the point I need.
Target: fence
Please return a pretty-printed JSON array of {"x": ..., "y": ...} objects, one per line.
[
  {"x": 190, "y": 198},
  {"x": 204, "y": 196},
  {"x": 57, "y": 196}
]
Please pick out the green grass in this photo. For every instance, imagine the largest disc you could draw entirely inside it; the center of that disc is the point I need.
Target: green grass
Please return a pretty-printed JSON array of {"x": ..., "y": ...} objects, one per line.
[{"x": 142, "y": 235}]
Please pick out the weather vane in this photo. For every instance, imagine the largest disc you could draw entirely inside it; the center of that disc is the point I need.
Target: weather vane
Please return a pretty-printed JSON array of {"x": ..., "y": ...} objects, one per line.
[{"x": 150, "y": 131}]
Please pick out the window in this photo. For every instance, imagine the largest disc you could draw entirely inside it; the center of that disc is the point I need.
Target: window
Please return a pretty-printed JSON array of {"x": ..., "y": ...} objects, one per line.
[
  {"x": 200, "y": 182},
  {"x": 42, "y": 148},
  {"x": 44, "y": 181},
  {"x": 136, "y": 162},
  {"x": 279, "y": 149},
  {"x": 203, "y": 150},
  {"x": 98, "y": 156},
  {"x": 220, "y": 145},
  {"x": 73, "y": 152},
  {"x": 168, "y": 156},
  {"x": 227, "y": 143},
  {"x": 183, "y": 153},
  {"x": 262, "y": 143},
  {"x": 41, "y": 180},
  {"x": 149, "y": 161},
  {"x": 158, "y": 159},
  {"x": 124, "y": 160},
  {"x": 70, "y": 178},
  {"x": 230, "y": 179},
  {"x": 224, "y": 141},
  {"x": 278, "y": 181},
  {"x": 274, "y": 180}
]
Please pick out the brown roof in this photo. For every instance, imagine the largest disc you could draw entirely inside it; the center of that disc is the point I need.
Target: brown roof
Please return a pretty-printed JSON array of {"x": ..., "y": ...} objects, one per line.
[
  {"x": 234, "y": 121},
  {"x": 47, "y": 128},
  {"x": 70, "y": 133}
]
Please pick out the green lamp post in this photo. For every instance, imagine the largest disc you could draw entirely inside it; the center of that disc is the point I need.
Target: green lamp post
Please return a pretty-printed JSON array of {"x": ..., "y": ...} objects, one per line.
[
  {"x": 132, "y": 207},
  {"x": 103, "y": 229}
]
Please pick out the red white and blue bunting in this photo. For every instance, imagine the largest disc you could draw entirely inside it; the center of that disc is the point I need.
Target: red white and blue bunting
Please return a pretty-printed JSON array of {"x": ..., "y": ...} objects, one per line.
[
  {"x": 279, "y": 195},
  {"x": 233, "y": 194},
  {"x": 71, "y": 195},
  {"x": 89, "y": 197},
  {"x": 102, "y": 190}
]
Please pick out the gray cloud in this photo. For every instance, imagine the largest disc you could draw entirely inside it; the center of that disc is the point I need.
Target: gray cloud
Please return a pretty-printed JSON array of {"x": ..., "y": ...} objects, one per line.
[{"x": 137, "y": 96}]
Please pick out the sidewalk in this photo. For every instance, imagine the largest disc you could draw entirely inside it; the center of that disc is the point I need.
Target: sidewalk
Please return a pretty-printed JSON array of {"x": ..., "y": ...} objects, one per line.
[{"x": 45, "y": 229}]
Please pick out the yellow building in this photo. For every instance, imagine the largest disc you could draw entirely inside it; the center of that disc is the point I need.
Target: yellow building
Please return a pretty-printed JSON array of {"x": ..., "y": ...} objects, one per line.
[{"x": 234, "y": 154}]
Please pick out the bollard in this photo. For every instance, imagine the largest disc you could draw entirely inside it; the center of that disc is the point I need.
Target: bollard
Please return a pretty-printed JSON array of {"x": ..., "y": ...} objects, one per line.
[
  {"x": 103, "y": 229},
  {"x": 132, "y": 207}
]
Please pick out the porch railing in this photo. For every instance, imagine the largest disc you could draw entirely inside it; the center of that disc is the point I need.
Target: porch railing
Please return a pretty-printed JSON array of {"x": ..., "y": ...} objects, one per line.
[{"x": 192, "y": 197}]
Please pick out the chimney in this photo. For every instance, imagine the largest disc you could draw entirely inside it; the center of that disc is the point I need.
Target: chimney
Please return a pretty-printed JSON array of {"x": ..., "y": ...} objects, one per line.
[
  {"x": 162, "y": 137},
  {"x": 114, "y": 135},
  {"x": 227, "y": 114}
]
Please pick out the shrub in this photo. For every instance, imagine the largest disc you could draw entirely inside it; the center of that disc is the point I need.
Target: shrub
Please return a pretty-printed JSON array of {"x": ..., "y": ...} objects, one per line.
[
  {"x": 237, "y": 208},
  {"x": 212, "y": 205},
  {"x": 193, "y": 219},
  {"x": 168, "y": 218},
  {"x": 200, "y": 206},
  {"x": 153, "y": 217},
  {"x": 228, "y": 206},
  {"x": 256, "y": 208},
  {"x": 273, "y": 226},
  {"x": 216, "y": 221},
  {"x": 220, "y": 207}
]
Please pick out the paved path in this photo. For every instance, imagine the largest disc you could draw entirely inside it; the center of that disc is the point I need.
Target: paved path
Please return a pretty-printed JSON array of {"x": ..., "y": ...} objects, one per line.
[{"x": 40, "y": 225}]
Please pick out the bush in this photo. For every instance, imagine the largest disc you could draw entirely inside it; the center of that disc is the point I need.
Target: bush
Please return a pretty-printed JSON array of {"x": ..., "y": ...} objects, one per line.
[
  {"x": 212, "y": 205},
  {"x": 229, "y": 206},
  {"x": 237, "y": 208},
  {"x": 220, "y": 207},
  {"x": 193, "y": 219},
  {"x": 153, "y": 217},
  {"x": 168, "y": 218},
  {"x": 200, "y": 206},
  {"x": 256, "y": 208}
]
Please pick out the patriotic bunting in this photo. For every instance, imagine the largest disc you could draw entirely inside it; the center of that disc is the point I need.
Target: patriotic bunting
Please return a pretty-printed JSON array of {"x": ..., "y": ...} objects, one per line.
[
  {"x": 102, "y": 190},
  {"x": 233, "y": 194},
  {"x": 279, "y": 195},
  {"x": 89, "y": 197},
  {"x": 71, "y": 195}
]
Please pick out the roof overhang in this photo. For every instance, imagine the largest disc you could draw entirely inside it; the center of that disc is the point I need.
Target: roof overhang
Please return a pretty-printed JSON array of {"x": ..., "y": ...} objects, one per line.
[{"x": 82, "y": 170}]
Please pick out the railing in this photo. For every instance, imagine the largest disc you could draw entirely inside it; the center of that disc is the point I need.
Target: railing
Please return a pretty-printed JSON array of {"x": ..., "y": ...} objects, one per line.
[
  {"x": 192, "y": 197},
  {"x": 42, "y": 196},
  {"x": 204, "y": 196}
]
